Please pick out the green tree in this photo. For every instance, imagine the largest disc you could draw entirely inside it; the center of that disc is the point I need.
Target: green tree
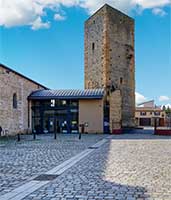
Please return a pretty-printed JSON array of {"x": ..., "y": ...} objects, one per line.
[{"x": 168, "y": 110}]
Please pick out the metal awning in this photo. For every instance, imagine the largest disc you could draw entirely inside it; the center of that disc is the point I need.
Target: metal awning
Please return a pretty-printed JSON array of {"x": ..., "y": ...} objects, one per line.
[{"x": 67, "y": 94}]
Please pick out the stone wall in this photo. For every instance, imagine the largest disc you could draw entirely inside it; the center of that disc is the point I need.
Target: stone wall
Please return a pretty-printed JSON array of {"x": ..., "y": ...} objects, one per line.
[
  {"x": 110, "y": 64},
  {"x": 115, "y": 110},
  {"x": 14, "y": 120},
  {"x": 95, "y": 29},
  {"x": 121, "y": 71}
]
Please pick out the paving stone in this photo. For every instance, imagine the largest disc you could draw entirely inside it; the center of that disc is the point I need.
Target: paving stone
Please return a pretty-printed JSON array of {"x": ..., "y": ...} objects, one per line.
[
  {"x": 21, "y": 161},
  {"x": 128, "y": 167}
]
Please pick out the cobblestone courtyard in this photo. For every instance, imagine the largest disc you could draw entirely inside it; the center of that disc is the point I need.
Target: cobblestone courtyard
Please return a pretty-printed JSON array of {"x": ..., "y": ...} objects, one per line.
[{"x": 126, "y": 167}]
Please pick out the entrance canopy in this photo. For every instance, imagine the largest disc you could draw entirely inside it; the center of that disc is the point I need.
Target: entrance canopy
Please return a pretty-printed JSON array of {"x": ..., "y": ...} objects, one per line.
[{"x": 67, "y": 94}]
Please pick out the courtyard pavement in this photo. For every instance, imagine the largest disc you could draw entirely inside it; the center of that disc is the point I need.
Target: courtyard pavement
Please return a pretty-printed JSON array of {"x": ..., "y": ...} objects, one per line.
[
  {"x": 21, "y": 161},
  {"x": 125, "y": 167}
]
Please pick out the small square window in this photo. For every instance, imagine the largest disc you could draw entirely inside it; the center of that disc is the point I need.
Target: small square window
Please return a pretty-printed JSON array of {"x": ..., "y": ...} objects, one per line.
[
  {"x": 121, "y": 80},
  {"x": 64, "y": 102},
  {"x": 143, "y": 113}
]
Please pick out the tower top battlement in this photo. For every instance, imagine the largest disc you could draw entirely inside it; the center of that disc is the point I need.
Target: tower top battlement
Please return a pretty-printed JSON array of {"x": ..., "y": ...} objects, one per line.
[{"x": 107, "y": 6}]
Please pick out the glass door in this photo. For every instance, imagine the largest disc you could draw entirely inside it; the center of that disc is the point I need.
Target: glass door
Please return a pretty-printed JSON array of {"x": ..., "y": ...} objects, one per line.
[{"x": 51, "y": 126}]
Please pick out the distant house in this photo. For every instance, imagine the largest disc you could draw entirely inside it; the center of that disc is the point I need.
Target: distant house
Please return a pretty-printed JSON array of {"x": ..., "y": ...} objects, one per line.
[{"x": 146, "y": 113}]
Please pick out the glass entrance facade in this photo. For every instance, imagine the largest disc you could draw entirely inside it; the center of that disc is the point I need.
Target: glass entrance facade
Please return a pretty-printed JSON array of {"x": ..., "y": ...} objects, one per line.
[{"x": 55, "y": 115}]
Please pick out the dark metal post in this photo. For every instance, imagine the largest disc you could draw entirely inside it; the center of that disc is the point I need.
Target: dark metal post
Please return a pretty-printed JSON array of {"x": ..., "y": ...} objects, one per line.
[
  {"x": 0, "y": 130},
  {"x": 34, "y": 135},
  {"x": 82, "y": 130},
  {"x": 79, "y": 135},
  {"x": 55, "y": 135},
  {"x": 155, "y": 125},
  {"x": 18, "y": 137},
  {"x": 55, "y": 129}
]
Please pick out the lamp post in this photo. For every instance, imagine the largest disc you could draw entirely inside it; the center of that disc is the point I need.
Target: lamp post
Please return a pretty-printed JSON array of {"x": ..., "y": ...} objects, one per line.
[{"x": 155, "y": 124}]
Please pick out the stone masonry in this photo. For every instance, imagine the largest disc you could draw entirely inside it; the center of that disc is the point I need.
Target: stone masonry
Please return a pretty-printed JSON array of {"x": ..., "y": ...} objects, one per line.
[
  {"x": 115, "y": 111},
  {"x": 109, "y": 60},
  {"x": 15, "y": 120}
]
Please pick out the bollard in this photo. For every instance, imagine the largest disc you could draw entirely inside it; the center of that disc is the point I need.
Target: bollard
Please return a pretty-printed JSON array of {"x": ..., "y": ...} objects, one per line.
[
  {"x": 155, "y": 125},
  {"x": 34, "y": 135},
  {"x": 18, "y": 137},
  {"x": 79, "y": 135},
  {"x": 82, "y": 130},
  {"x": 55, "y": 135}
]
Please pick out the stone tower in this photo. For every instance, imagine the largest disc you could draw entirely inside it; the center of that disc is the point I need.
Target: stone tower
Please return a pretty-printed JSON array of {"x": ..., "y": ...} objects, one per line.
[{"x": 110, "y": 63}]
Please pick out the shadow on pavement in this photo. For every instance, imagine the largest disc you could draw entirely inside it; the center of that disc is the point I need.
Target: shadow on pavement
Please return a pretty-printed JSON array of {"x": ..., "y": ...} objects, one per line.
[{"x": 96, "y": 177}]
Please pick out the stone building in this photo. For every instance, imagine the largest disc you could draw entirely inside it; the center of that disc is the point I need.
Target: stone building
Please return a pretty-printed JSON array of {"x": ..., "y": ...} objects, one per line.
[
  {"x": 14, "y": 108},
  {"x": 109, "y": 62}
]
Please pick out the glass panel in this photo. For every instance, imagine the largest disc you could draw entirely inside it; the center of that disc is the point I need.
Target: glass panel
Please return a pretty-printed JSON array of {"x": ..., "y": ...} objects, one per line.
[
  {"x": 36, "y": 124},
  {"x": 51, "y": 125},
  {"x": 36, "y": 113},
  {"x": 35, "y": 103},
  {"x": 61, "y": 103},
  {"x": 49, "y": 113},
  {"x": 45, "y": 125},
  {"x": 74, "y": 120},
  {"x": 56, "y": 115},
  {"x": 64, "y": 126},
  {"x": 46, "y": 103},
  {"x": 74, "y": 103}
]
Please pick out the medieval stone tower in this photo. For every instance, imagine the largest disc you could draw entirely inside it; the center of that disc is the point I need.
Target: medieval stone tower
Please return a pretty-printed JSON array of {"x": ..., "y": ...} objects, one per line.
[{"x": 110, "y": 63}]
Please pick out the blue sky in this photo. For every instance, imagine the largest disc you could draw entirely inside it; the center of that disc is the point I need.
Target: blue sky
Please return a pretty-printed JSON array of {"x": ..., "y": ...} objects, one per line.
[{"x": 47, "y": 44}]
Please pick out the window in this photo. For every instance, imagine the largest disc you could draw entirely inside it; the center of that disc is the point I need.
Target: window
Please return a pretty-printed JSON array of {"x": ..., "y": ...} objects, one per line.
[
  {"x": 14, "y": 100},
  {"x": 157, "y": 113},
  {"x": 93, "y": 46},
  {"x": 64, "y": 102},
  {"x": 142, "y": 113},
  {"x": 121, "y": 80}
]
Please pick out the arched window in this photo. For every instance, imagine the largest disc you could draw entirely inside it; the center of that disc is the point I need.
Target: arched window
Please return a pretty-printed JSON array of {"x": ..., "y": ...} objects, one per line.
[{"x": 14, "y": 100}]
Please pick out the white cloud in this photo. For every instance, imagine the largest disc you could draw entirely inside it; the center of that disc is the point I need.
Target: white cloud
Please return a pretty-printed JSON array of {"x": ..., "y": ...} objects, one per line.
[
  {"x": 168, "y": 105},
  {"x": 151, "y": 3},
  {"x": 59, "y": 17},
  {"x": 164, "y": 98},
  {"x": 139, "y": 98},
  {"x": 30, "y": 12},
  {"x": 159, "y": 11},
  {"x": 19, "y": 12},
  {"x": 37, "y": 24}
]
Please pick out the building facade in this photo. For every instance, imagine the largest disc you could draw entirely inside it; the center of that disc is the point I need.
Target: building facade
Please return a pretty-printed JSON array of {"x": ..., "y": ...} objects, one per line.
[
  {"x": 14, "y": 108},
  {"x": 146, "y": 114},
  {"x": 65, "y": 111},
  {"x": 110, "y": 63}
]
